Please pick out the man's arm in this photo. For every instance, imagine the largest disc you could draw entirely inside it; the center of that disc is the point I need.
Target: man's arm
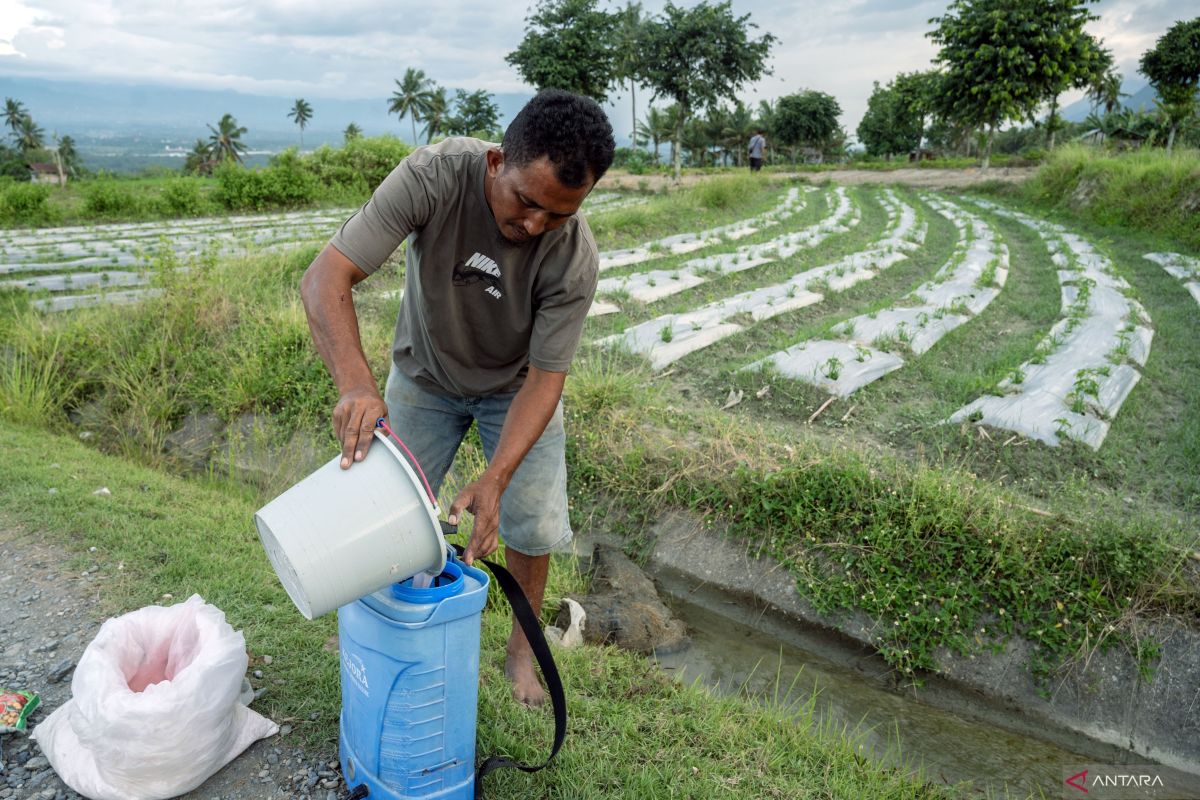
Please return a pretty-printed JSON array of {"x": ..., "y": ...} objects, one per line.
[
  {"x": 329, "y": 304},
  {"x": 531, "y": 410}
]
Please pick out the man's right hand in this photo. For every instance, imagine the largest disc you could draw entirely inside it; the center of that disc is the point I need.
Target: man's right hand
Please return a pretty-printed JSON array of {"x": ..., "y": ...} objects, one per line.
[{"x": 354, "y": 419}]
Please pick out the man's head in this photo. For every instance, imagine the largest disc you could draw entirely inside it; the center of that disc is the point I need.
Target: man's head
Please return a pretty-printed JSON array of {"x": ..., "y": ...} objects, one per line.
[{"x": 553, "y": 153}]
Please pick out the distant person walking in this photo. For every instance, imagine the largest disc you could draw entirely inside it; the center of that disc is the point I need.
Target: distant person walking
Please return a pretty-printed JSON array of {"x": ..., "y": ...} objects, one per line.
[{"x": 758, "y": 144}]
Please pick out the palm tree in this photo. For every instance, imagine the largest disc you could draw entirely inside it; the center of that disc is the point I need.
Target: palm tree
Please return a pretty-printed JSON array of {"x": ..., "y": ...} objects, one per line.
[
  {"x": 28, "y": 135},
  {"x": 14, "y": 112},
  {"x": 300, "y": 114},
  {"x": 351, "y": 133},
  {"x": 629, "y": 25},
  {"x": 68, "y": 154},
  {"x": 656, "y": 128},
  {"x": 226, "y": 140},
  {"x": 1106, "y": 91},
  {"x": 437, "y": 109},
  {"x": 411, "y": 97},
  {"x": 199, "y": 161}
]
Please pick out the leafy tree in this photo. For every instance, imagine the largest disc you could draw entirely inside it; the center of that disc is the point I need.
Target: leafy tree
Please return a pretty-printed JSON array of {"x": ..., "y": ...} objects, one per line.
[
  {"x": 807, "y": 119},
  {"x": 300, "y": 114},
  {"x": 475, "y": 114},
  {"x": 568, "y": 45},
  {"x": 436, "y": 112},
  {"x": 225, "y": 143},
  {"x": 351, "y": 133},
  {"x": 889, "y": 126},
  {"x": 1173, "y": 67},
  {"x": 68, "y": 156},
  {"x": 990, "y": 50},
  {"x": 918, "y": 93},
  {"x": 14, "y": 112},
  {"x": 411, "y": 97},
  {"x": 12, "y": 164},
  {"x": 28, "y": 135},
  {"x": 699, "y": 57}
]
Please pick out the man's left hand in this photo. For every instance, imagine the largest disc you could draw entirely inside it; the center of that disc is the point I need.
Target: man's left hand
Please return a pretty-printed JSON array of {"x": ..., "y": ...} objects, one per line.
[{"x": 482, "y": 499}]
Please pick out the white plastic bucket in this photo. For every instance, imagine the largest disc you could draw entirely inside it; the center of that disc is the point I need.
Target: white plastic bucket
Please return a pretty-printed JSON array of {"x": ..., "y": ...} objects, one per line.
[{"x": 341, "y": 534}]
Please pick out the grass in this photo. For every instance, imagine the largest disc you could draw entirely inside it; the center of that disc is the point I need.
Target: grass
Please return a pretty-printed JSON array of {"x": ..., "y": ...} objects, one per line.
[{"x": 634, "y": 731}]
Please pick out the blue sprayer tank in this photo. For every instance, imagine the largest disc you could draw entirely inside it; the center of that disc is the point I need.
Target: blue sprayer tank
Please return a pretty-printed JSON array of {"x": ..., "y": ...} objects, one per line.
[{"x": 410, "y": 685}]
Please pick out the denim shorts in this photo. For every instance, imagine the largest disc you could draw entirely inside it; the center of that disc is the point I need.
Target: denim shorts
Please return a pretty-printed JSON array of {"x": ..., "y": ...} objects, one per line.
[{"x": 533, "y": 510}]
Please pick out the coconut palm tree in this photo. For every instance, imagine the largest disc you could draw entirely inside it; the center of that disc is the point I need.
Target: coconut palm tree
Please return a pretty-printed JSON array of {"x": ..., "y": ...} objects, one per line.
[
  {"x": 300, "y": 114},
  {"x": 351, "y": 133},
  {"x": 199, "y": 161},
  {"x": 1106, "y": 91},
  {"x": 411, "y": 97},
  {"x": 28, "y": 135},
  {"x": 656, "y": 128},
  {"x": 69, "y": 155},
  {"x": 14, "y": 112},
  {"x": 226, "y": 141},
  {"x": 437, "y": 109}
]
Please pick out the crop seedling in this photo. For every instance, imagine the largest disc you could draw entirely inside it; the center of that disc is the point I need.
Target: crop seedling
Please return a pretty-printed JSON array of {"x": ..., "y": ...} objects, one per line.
[
  {"x": 666, "y": 334},
  {"x": 832, "y": 368}
]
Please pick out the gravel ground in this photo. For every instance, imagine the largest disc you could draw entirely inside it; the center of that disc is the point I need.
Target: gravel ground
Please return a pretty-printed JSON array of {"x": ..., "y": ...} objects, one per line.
[{"x": 47, "y": 618}]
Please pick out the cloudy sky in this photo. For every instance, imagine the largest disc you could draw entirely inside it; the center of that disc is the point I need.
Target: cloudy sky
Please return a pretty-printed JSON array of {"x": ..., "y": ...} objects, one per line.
[{"x": 355, "y": 48}]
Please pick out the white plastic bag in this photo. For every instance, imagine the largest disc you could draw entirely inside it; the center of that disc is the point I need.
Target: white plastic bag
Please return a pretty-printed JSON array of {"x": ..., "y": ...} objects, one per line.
[{"x": 154, "y": 708}]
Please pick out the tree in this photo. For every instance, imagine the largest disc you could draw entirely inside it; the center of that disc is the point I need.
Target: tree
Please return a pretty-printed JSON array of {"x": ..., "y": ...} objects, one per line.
[
  {"x": 990, "y": 50},
  {"x": 351, "y": 133},
  {"x": 69, "y": 156},
  {"x": 629, "y": 61},
  {"x": 568, "y": 45},
  {"x": 411, "y": 97},
  {"x": 807, "y": 119},
  {"x": 436, "y": 112},
  {"x": 225, "y": 143},
  {"x": 300, "y": 114},
  {"x": 1173, "y": 67},
  {"x": 699, "y": 57},
  {"x": 1105, "y": 91},
  {"x": 28, "y": 135},
  {"x": 656, "y": 128},
  {"x": 14, "y": 112},
  {"x": 918, "y": 93},
  {"x": 475, "y": 114},
  {"x": 199, "y": 161},
  {"x": 889, "y": 126}
]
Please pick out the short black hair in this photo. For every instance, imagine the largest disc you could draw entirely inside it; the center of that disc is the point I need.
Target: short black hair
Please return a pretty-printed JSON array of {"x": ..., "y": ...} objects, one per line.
[{"x": 571, "y": 130}]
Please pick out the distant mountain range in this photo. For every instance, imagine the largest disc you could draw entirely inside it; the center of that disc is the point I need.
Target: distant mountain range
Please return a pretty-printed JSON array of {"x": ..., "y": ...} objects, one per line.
[
  {"x": 1140, "y": 99},
  {"x": 95, "y": 109}
]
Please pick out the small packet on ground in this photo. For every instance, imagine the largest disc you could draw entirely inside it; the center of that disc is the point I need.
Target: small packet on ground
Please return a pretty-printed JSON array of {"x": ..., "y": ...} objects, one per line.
[{"x": 15, "y": 708}]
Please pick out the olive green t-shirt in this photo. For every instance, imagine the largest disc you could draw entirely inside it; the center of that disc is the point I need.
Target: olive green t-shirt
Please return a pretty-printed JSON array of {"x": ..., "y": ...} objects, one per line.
[{"x": 477, "y": 309}]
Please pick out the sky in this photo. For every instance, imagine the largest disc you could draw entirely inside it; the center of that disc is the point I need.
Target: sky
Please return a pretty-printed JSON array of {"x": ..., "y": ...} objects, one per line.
[{"x": 356, "y": 48}]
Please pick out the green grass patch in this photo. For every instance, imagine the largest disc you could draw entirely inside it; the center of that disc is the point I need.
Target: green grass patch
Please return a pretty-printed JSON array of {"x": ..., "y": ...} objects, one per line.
[
  {"x": 634, "y": 731},
  {"x": 1145, "y": 189}
]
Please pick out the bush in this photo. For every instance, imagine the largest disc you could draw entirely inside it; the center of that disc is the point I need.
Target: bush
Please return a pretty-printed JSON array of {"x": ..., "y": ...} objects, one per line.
[
  {"x": 728, "y": 192},
  {"x": 633, "y": 159},
  {"x": 283, "y": 184},
  {"x": 25, "y": 202},
  {"x": 107, "y": 198},
  {"x": 358, "y": 166},
  {"x": 181, "y": 197}
]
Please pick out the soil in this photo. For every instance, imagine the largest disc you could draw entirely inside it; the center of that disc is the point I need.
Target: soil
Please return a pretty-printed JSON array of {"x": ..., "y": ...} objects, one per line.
[
  {"x": 920, "y": 178},
  {"x": 49, "y": 617}
]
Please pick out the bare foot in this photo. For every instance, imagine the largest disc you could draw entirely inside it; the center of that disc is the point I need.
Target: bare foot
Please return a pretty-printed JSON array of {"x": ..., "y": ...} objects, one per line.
[{"x": 526, "y": 689}]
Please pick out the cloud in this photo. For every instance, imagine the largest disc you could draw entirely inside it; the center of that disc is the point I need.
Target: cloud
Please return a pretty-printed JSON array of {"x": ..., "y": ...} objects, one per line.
[{"x": 354, "y": 49}]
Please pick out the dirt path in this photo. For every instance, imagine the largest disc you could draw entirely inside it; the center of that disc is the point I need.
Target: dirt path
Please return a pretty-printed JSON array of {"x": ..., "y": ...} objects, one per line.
[
  {"x": 920, "y": 178},
  {"x": 47, "y": 618}
]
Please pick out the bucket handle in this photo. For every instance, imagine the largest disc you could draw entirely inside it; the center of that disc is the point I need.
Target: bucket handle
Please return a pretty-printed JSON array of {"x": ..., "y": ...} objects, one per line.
[{"x": 382, "y": 423}]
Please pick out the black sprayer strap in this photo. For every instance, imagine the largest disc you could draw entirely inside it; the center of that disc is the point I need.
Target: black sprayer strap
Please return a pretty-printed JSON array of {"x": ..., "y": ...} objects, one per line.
[{"x": 541, "y": 651}]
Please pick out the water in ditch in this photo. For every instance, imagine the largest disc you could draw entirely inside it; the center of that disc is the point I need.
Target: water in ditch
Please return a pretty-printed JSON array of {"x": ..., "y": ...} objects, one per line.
[{"x": 892, "y": 728}]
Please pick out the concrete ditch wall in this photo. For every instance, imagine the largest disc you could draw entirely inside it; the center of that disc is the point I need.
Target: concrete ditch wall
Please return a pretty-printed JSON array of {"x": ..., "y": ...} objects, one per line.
[{"x": 1102, "y": 709}]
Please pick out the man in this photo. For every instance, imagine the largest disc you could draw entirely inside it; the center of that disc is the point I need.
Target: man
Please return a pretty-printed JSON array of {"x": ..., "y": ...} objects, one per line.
[
  {"x": 500, "y": 274},
  {"x": 758, "y": 143}
]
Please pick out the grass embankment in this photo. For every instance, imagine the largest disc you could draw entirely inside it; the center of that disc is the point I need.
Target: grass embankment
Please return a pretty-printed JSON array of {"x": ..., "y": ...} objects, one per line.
[
  {"x": 1146, "y": 190},
  {"x": 634, "y": 732}
]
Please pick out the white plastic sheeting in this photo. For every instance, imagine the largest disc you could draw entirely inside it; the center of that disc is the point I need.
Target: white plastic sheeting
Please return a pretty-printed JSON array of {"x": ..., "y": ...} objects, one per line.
[
  {"x": 1186, "y": 269},
  {"x": 1086, "y": 365},
  {"x": 124, "y": 245},
  {"x": 669, "y": 337},
  {"x": 871, "y": 344},
  {"x": 677, "y": 244},
  {"x": 610, "y": 201},
  {"x": 648, "y": 287}
]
